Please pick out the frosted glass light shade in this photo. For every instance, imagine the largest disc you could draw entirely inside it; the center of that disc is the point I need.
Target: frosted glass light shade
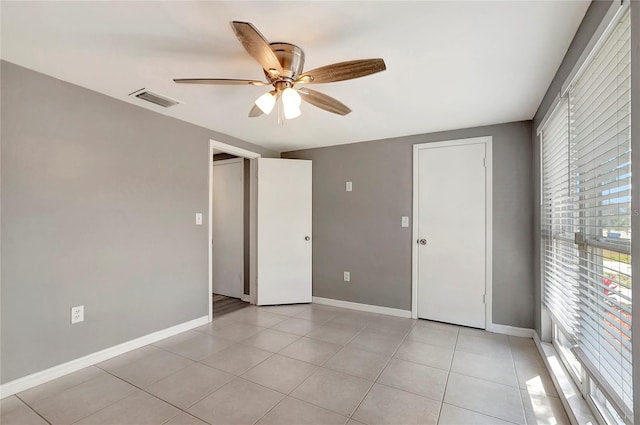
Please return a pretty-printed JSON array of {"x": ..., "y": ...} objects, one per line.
[
  {"x": 266, "y": 102},
  {"x": 292, "y": 112},
  {"x": 291, "y": 101},
  {"x": 291, "y": 97}
]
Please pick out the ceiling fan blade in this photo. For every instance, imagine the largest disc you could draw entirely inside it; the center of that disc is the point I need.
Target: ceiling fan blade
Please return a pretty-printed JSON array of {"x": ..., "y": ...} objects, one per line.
[
  {"x": 257, "y": 46},
  {"x": 255, "y": 111},
  {"x": 342, "y": 71},
  {"x": 220, "y": 81},
  {"x": 323, "y": 101}
]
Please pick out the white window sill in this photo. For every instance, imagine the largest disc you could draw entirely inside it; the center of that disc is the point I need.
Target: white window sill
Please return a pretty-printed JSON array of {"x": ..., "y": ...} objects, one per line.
[{"x": 577, "y": 409}]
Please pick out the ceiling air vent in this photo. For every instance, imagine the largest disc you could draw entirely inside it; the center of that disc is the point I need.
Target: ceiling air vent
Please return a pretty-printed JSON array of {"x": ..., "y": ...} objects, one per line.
[{"x": 149, "y": 96}]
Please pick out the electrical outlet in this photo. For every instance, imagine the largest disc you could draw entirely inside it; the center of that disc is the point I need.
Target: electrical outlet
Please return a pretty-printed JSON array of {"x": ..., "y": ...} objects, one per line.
[
  {"x": 77, "y": 314},
  {"x": 349, "y": 186},
  {"x": 199, "y": 219},
  {"x": 347, "y": 277}
]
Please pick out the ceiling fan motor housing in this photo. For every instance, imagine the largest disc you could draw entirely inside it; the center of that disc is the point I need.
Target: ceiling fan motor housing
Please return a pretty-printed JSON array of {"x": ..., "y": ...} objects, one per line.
[{"x": 291, "y": 59}]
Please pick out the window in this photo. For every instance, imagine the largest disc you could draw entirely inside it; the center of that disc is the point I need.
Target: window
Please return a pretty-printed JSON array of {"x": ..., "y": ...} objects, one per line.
[
  {"x": 564, "y": 346},
  {"x": 586, "y": 225}
]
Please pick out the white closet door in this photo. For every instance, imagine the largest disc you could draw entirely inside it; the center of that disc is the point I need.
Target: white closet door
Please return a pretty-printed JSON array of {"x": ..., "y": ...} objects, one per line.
[
  {"x": 452, "y": 237},
  {"x": 284, "y": 231}
]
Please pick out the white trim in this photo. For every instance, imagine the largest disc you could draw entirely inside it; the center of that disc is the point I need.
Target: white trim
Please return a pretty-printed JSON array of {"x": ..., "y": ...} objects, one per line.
[
  {"x": 30, "y": 381},
  {"x": 552, "y": 108},
  {"x": 570, "y": 396},
  {"x": 210, "y": 231},
  {"x": 510, "y": 330},
  {"x": 488, "y": 141},
  {"x": 489, "y": 233},
  {"x": 246, "y": 298},
  {"x": 228, "y": 161},
  {"x": 363, "y": 307},
  {"x": 253, "y": 231},
  {"x": 414, "y": 237},
  {"x": 215, "y": 146},
  {"x": 233, "y": 150}
]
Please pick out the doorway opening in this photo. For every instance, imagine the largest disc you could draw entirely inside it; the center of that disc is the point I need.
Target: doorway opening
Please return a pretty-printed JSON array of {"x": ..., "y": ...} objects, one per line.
[
  {"x": 232, "y": 228},
  {"x": 230, "y": 234}
]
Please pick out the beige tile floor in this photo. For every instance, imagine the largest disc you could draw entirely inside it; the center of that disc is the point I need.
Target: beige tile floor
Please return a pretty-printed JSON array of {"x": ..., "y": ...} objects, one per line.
[{"x": 305, "y": 364}]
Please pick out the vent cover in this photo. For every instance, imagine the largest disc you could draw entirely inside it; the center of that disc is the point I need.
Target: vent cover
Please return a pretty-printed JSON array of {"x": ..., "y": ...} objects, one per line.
[{"x": 155, "y": 98}]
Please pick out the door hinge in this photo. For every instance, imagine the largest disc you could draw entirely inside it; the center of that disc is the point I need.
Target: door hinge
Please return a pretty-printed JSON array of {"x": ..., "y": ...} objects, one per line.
[
  {"x": 484, "y": 162},
  {"x": 484, "y": 298}
]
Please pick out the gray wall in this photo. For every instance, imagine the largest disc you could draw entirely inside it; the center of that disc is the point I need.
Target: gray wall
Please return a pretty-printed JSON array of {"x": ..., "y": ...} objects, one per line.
[
  {"x": 360, "y": 231},
  {"x": 98, "y": 209},
  {"x": 588, "y": 26}
]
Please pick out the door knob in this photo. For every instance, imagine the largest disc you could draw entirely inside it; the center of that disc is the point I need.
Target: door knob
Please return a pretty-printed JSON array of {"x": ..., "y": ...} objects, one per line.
[
  {"x": 307, "y": 238},
  {"x": 422, "y": 241}
]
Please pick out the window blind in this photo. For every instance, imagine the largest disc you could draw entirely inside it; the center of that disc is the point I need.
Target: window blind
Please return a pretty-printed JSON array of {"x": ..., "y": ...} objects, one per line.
[
  {"x": 559, "y": 254},
  {"x": 586, "y": 216},
  {"x": 600, "y": 179}
]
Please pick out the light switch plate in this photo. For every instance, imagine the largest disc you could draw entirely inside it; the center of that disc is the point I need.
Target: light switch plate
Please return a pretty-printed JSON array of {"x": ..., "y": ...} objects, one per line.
[
  {"x": 405, "y": 221},
  {"x": 349, "y": 186},
  {"x": 347, "y": 276},
  {"x": 199, "y": 219}
]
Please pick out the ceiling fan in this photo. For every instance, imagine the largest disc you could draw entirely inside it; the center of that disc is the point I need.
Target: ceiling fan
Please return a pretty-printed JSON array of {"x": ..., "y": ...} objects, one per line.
[{"x": 283, "y": 66}]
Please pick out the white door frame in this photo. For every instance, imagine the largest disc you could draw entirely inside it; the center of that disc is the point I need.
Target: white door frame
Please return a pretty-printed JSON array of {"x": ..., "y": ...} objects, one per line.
[
  {"x": 488, "y": 141},
  {"x": 253, "y": 216}
]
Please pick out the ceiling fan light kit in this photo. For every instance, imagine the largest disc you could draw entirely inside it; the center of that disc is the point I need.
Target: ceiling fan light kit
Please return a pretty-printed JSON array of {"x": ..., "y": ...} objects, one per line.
[
  {"x": 266, "y": 102},
  {"x": 291, "y": 103},
  {"x": 283, "y": 65}
]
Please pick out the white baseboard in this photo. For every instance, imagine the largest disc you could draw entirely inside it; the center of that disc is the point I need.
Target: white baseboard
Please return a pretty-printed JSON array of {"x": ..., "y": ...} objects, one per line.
[
  {"x": 363, "y": 307},
  {"x": 510, "y": 330},
  {"x": 30, "y": 381},
  {"x": 246, "y": 298}
]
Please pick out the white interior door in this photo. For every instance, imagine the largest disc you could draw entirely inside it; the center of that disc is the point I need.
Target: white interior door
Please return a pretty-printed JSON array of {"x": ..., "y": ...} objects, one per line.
[
  {"x": 228, "y": 227},
  {"x": 284, "y": 231},
  {"x": 452, "y": 233}
]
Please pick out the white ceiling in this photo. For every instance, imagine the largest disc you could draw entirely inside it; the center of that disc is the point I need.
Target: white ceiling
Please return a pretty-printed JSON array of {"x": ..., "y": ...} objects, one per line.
[{"x": 449, "y": 64}]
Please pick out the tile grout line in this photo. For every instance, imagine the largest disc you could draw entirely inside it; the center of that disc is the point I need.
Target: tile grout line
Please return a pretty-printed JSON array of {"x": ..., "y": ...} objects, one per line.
[
  {"x": 317, "y": 366},
  {"x": 320, "y": 367},
  {"x": 515, "y": 369},
  {"x": 446, "y": 383},
  {"x": 432, "y": 367},
  {"x": 272, "y": 354},
  {"x": 288, "y": 394},
  {"x": 32, "y": 409},
  {"x": 144, "y": 391},
  {"x": 244, "y": 379},
  {"x": 86, "y": 416},
  {"x": 382, "y": 370},
  {"x": 67, "y": 389},
  {"x": 177, "y": 371},
  {"x": 466, "y": 408},
  {"x": 486, "y": 414}
]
